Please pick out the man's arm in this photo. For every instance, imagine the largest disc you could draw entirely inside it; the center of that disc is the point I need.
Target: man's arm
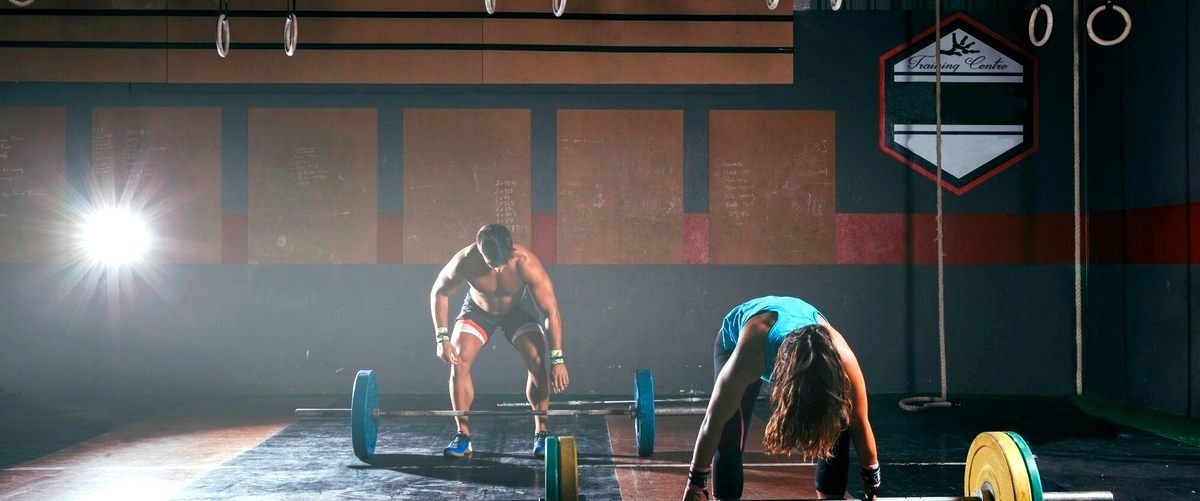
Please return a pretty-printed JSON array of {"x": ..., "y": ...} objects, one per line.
[
  {"x": 446, "y": 283},
  {"x": 543, "y": 294}
]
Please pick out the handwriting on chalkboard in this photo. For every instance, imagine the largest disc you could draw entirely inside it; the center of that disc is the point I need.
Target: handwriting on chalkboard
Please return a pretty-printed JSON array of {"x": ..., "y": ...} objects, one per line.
[
  {"x": 306, "y": 167},
  {"x": 13, "y": 181},
  {"x": 506, "y": 212},
  {"x": 7, "y": 144},
  {"x": 128, "y": 152},
  {"x": 737, "y": 193}
]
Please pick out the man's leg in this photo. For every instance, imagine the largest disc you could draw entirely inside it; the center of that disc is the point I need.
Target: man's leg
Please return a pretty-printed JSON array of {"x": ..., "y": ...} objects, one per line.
[
  {"x": 467, "y": 340},
  {"x": 531, "y": 344}
]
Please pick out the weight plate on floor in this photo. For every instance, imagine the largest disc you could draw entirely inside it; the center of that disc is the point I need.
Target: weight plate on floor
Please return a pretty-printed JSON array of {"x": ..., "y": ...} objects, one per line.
[
  {"x": 552, "y": 468},
  {"x": 1035, "y": 478},
  {"x": 364, "y": 415},
  {"x": 996, "y": 465},
  {"x": 568, "y": 470},
  {"x": 643, "y": 424}
]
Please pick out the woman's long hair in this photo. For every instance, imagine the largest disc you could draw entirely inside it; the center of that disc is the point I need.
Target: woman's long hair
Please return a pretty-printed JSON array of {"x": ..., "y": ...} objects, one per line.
[{"x": 810, "y": 401}]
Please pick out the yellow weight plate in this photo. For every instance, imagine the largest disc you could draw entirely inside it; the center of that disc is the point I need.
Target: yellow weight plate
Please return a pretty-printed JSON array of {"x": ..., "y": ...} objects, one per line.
[
  {"x": 568, "y": 470},
  {"x": 995, "y": 465}
]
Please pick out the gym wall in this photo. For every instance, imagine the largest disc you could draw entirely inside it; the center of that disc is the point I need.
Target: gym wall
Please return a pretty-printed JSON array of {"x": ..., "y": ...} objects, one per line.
[
  {"x": 316, "y": 197},
  {"x": 1141, "y": 146}
]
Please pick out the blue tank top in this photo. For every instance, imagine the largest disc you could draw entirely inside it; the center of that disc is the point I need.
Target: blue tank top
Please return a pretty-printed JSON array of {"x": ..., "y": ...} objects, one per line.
[{"x": 792, "y": 313}]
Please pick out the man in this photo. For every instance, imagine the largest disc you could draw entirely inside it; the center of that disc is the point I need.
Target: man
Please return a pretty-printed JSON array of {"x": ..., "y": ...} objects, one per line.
[
  {"x": 818, "y": 399},
  {"x": 498, "y": 273}
]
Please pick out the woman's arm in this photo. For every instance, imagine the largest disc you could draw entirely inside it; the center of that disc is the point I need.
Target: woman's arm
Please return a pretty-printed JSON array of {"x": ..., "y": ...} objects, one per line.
[
  {"x": 744, "y": 367},
  {"x": 860, "y": 425}
]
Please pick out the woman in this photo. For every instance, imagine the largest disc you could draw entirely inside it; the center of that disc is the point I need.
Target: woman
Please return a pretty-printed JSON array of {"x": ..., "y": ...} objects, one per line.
[{"x": 818, "y": 399}]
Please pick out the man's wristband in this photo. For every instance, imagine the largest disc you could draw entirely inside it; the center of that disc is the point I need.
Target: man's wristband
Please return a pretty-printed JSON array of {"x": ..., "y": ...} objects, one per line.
[
  {"x": 556, "y": 357},
  {"x": 443, "y": 334}
]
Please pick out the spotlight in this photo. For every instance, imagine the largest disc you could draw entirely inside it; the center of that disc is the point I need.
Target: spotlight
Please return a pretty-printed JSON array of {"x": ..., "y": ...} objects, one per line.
[{"x": 114, "y": 237}]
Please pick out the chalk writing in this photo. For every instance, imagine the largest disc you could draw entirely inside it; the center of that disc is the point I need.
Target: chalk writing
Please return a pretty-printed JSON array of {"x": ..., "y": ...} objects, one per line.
[{"x": 305, "y": 166}]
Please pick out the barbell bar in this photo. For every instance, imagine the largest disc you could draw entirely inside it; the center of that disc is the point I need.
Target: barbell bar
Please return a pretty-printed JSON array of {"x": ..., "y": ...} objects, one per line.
[
  {"x": 1000, "y": 467},
  {"x": 365, "y": 413}
]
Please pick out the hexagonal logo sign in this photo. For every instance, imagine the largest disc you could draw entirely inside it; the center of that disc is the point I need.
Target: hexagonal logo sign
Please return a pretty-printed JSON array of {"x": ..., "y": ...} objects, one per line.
[{"x": 989, "y": 103}]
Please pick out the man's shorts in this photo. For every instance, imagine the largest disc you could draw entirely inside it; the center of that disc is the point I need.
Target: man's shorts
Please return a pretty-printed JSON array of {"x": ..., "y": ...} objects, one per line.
[{"x": 481, "y": 324}]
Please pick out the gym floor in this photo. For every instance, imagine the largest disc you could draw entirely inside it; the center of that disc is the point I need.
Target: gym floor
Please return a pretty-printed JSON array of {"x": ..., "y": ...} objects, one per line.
[{"x": 238, "y": 448}]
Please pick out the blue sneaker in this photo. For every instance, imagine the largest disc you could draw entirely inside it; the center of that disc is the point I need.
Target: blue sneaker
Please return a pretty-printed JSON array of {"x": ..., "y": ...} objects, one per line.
[
  {"x": 539, "y": 444},
  {"x": 459, "y": 447}
]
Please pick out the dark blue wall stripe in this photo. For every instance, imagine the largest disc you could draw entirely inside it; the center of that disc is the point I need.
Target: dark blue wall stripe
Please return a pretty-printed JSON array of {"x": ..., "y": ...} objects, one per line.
[
  {"x": 695, "y": 160},
  {"x": 235, "y": 170},
  {"x": 544, "y": 159},
  {"x": 390, "y": 176},
  {"x": 79, "y": 150}
]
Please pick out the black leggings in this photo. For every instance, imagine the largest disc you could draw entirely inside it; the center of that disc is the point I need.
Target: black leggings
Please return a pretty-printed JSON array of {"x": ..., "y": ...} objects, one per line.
[{"x": 727, "y": 463}]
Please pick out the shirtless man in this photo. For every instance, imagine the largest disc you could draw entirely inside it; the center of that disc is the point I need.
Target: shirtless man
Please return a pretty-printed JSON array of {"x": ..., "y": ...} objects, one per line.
[{"x": 498, "y": 273}]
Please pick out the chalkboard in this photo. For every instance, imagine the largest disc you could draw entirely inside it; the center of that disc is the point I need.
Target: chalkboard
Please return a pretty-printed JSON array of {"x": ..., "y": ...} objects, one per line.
[
  {"x": 164, "y": 163},
  {"x": 32, "y": 159},
  {"x": 771, "y": 187},
  {"x": 463, "y": 168},
  {"x": 620, "y": 186},
  {"x": 312, "y": 186}
]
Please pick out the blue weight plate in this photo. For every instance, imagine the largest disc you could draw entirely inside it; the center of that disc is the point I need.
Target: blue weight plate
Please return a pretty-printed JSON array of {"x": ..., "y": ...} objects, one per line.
[
  {"x": 364, "y": 419},
  {"x": 643, "y": 424}
]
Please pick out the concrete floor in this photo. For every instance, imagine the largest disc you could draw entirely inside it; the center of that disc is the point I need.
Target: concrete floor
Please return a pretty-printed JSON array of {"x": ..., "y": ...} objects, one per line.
[{"x": 255, "y": 448}]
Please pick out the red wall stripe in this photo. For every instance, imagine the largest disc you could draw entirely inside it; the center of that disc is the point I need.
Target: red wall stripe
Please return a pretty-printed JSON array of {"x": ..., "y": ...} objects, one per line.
[
  {"x": 695, "y": 238},
  {"x": 545, "y": 237},
  {"x": 969, "y": 238},
  {"x": 1157, "y": 235},
  {"x": 389, "y": 238},
  {"x": 234, "y": 237}
]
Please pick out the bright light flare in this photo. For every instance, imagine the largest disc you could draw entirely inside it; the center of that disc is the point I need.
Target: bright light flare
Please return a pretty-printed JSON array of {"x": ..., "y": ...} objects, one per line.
[{"x": 114, "y": 237}]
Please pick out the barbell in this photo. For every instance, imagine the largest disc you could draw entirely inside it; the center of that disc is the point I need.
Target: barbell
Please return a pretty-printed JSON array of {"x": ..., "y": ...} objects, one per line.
[
  {"x": 1000, "y": 467},
  {"x": 365, "y": 413}
]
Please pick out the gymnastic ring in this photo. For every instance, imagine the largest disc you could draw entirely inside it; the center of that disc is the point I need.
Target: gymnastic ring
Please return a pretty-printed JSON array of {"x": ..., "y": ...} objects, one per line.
[
  {"x": 291, "y": 33},
  {"x": 21, "y": 3},
  {"x": 1109, "y": 43},
  {"x": 222, "y": 35},
  {"x": 1038, "y": 42},
  {"x": 835, "y": 4},
  {"x": 490, "y": 6},
  {"x": 558, "y": 7},
  {"x": 771, "y": 4}
]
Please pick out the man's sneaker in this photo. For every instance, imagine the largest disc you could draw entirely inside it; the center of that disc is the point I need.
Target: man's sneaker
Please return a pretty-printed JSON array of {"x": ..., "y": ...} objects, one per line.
[
  {"x": 539, "y": 444},
  {"x": 459, "y": 447}
]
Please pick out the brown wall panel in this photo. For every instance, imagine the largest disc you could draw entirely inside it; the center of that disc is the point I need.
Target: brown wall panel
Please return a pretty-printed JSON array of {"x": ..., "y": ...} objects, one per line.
[
  {"x": 84, "y": 28},
  {"x": 343, "y": 5},
  {"x": 165, "y": 163},
  {"x": 311, "y": 66},
  {"x": 505, "y": 67},
  {"x": 710, "y": 7},
  {"x": 463, "y": 168},
  {"x": 619, "y": 33},
  {"x": 333, "y": 30},
  {"x": 312, "y": 185},
  {"x": 706, "y": 7},
  {"x": 32, "y": 160},
  {"x": 771, "y": 187},
  {"x": 83, "y": 65},
  {"x": 620, "y": 187},
  {"x": 92, "y": 4}
]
